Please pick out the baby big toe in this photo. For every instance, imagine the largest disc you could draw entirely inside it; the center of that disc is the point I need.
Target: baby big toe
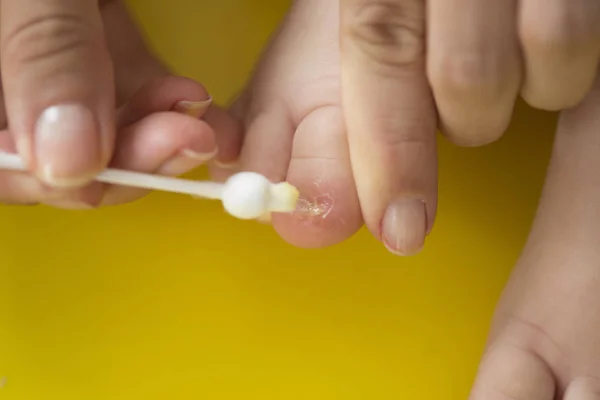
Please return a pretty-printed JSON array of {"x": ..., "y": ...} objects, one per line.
[{"x": 328, "y": 210}]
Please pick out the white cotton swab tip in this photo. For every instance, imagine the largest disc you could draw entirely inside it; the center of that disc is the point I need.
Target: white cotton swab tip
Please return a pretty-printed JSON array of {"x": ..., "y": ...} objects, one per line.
[
  {"x": 245, "y": 195},
  {"x": 248, "y": 195}
]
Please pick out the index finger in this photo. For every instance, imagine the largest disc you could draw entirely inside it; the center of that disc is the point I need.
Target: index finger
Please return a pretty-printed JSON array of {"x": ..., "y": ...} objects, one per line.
[{"x": 391, "y": 119}]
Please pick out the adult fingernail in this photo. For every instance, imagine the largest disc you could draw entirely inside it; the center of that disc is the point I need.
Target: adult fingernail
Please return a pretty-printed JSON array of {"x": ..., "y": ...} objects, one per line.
[
  {"x": 67, "y": 146},
  {"x": 87, "y": 198},
  {"x": 404, "y": 227},
  {"x": 225, "y": 165},
  {"x": 199, "y": 155},
  {"x": 185, "y": 161},
  {"x": 70, "y": 205},
  {"x": 193, "y": 108}
]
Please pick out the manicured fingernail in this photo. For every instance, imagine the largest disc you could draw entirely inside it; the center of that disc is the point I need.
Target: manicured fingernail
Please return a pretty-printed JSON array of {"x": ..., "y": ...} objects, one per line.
[
  {"x": 404, "y": 226},
  {"x": 67, "y": 146},
  {"x": 193, "y": 108}
]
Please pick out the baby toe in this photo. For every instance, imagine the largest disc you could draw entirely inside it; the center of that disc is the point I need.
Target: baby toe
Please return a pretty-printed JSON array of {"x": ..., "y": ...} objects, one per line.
[
  {"x": 513, "y": 373},
  {"x": 328, "y": 210}
]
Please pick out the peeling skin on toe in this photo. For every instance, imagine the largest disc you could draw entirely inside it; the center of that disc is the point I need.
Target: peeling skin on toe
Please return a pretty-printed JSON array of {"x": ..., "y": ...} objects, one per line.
[
  {"x": 321, "y": 215},
  {"x": 314, "y": 209}
]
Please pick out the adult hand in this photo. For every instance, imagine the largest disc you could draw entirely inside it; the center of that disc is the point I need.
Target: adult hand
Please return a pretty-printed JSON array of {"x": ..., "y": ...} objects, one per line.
[
  {"x": 480, "y": 56},
  {"x": 59, "y": 88},
  {"x": 74, "y": 72},
  {"x": 391, "y": 118}
]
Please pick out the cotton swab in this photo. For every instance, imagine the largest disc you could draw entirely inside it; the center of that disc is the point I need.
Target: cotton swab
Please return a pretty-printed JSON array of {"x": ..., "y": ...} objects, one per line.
[{"x": 245, "y": 195}]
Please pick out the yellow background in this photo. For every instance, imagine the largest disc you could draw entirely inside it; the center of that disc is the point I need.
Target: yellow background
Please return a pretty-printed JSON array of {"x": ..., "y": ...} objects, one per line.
[{"x": 170, "y": 299}]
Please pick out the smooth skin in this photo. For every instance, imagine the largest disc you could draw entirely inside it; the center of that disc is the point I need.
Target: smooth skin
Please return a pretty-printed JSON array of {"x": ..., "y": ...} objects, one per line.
[
  {"x": 407, "y": 62},
  {"x": 543, "y": 344},
  {"x": 62, "y": 95},
  {"x": 294, "y": 127},
  {"x": 544, "y": 340},
  {"x": 81, "y": 91}
]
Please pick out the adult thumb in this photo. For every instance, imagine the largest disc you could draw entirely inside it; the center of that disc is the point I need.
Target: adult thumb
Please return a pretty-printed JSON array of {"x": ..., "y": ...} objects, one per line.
[{"x": 58, "y": 86}]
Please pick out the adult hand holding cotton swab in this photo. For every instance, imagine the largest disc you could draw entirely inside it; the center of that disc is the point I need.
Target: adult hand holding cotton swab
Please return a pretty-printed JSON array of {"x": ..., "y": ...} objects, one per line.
[{"x": 245, "y": 195}]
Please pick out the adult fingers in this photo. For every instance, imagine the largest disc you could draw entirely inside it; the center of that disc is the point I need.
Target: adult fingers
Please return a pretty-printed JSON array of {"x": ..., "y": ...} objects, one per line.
[
  {"x": 474, "y": 67},
  {"x": 390, "y": 118},
  {"x": 143, "y": 83},
  {"x": 134, "y": 63},
  {"x": 155, "y": 139},
  {"x": 20, "y": 188},
  {"x": 561, "y": 43},
  {"x": 188, "y": 97},
  {"x": 163, "y": 94},
  {"x": 162, "y": 143},
  {"x": 58, "y": 86},
  {"x": 16, "y": 188}
]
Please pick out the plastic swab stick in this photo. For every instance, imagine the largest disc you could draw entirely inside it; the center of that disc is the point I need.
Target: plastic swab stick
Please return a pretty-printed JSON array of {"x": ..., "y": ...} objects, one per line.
[{"x": 245, "y": 195}]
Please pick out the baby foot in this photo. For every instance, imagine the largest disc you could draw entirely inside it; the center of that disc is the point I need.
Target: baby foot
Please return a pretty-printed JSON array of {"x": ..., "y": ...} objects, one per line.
[
  {"x": 545, "y": 342},
  {"x": 294, "y": 127}
]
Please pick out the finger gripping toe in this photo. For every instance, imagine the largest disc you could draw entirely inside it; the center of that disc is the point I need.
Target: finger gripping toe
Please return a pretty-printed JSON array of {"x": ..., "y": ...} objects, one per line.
[{"x": 389, "y": 33}]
